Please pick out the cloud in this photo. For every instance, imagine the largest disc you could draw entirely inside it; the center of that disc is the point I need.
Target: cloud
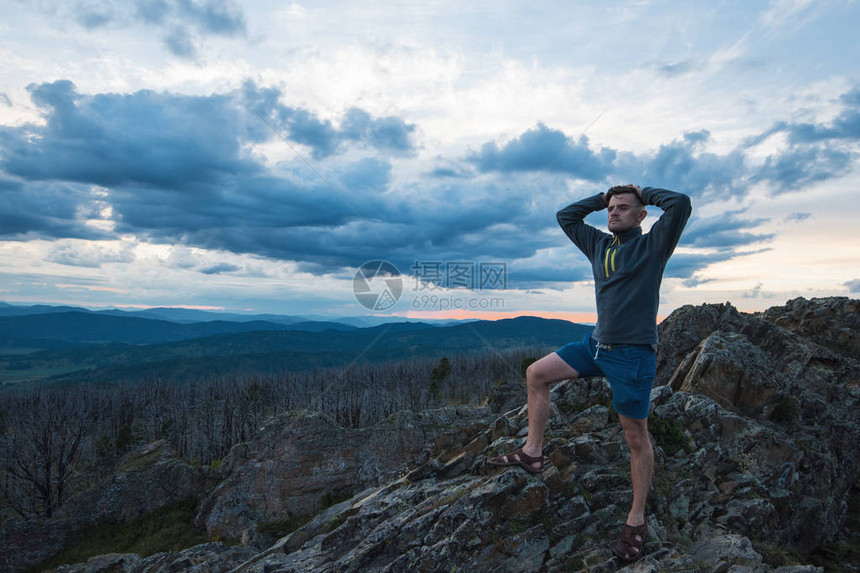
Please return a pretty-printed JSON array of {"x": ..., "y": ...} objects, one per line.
[
  {"x": 757, "y": 292},
  {"x": 683, "y": 165},
  {"x": 797, "y": 168},
  {"x": 47, "y": 210},
  {"x": 797, "y": 217},
  {"x": 90, "y": 16},
  {"x": 181, "y": 22},
  {"x": 220, "y": 268},
  {"x": 386, "y": 134},
  {"x": 90, "y": 255},
  {"x": 159, "y": 140},
  {"x": 188, "y": 171},
  {"x": 675, "y": 69},
  {"x": 853, "y": 285},
  {"x": 180, "y": 42},
  {"x": 815, "y": 152},
  {"x": 686, "y": 265},
  {"x": 545, "y": 149},
  {"x": 729, "y": 229},
  {"x": 781, "y": 12},
  {"x": 213, "y": 16}
]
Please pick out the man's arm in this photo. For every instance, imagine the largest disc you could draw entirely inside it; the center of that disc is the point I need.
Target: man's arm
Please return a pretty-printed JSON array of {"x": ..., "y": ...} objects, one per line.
[
  {"x": 676, "y": 210},
  {"x": 571, "y": 219}
]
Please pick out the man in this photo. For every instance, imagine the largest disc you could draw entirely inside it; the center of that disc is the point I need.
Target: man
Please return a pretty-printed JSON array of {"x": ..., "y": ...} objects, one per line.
[{"x": 628, "y": 269}]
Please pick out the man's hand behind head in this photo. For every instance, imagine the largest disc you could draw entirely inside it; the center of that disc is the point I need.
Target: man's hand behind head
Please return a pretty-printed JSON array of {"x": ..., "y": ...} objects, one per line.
[{"x": 624, "y": 189}]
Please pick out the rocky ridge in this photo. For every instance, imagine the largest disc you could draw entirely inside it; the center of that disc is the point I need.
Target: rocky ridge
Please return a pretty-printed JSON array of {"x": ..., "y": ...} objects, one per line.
[{"x": 757, "y": 446}]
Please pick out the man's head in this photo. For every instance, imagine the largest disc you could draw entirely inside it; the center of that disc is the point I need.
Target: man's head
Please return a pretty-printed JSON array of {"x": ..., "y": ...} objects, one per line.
[{"x": 625, "y": 208}]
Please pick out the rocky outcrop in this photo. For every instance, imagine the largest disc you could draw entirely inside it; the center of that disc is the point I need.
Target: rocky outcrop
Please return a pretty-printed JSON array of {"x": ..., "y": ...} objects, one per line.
[
  {"x": 832, "y": 322},
  {"x": 151, "y": 477},
  {"x": 302, "y": 461},
  {"x": 146, "y": 479},
  {"x": 757, "y": 447}
]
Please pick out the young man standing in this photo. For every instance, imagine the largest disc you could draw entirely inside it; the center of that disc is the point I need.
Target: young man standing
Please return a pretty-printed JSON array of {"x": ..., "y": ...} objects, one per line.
[{"x": 628, "y": 269}]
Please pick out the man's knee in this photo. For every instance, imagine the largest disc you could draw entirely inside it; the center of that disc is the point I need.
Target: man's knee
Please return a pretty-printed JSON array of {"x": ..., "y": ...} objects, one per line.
[
  {"x": 538, "y": 374},
  {"x": 548, "y": 370},
  {"x": 636, "y": 434}
]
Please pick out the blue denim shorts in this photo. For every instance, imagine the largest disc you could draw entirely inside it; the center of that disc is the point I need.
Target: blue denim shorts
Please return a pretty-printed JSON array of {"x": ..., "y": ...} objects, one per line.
[{"x": 630, "y": 369}]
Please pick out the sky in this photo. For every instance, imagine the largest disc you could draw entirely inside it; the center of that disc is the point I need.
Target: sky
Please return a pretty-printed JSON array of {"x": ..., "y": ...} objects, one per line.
[{"x": 261, "y": 156}]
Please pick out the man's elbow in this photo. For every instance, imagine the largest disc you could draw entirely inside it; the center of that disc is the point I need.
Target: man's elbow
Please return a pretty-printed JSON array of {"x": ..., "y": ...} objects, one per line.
[{"x": 687, "y": 204}]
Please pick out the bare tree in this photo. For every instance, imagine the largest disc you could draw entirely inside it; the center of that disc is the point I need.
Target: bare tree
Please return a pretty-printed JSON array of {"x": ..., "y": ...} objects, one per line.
[{"x": 40, "y": 451}]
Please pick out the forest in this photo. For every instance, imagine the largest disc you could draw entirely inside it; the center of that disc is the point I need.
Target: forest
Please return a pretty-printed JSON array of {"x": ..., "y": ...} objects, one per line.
[{"x": 54, "y": 440}]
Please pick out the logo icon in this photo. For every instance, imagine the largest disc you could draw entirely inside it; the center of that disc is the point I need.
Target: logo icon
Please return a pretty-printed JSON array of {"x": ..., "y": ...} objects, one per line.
[{"x": 377, "y": 285}]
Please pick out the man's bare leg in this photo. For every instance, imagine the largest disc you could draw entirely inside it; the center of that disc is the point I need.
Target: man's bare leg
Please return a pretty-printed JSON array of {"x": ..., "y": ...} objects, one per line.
[
  {"x": 540, "y": 375},
  {"x": 641, "y": 465}
]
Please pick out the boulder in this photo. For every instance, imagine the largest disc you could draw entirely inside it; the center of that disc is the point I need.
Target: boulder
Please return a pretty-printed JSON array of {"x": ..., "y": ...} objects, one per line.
[{"x": 302, "y": 461}]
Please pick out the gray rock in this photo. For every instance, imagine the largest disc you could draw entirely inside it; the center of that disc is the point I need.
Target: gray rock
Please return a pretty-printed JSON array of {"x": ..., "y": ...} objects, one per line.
[{"x": 731, "y": 548}]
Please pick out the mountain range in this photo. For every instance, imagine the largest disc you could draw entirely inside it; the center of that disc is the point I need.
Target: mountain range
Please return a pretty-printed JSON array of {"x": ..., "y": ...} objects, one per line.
[{"x": 45, "y": 344}]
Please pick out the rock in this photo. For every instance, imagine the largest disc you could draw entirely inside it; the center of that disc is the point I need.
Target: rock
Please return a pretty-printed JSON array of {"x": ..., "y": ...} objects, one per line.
[
  {"x": 303, "y": 461},
  {"x": 833, "y": 322},
  {"x": 148, "y": 478},
  {"x": 731, "y": 548},
  {"x": 25, "y": 543},
  {"x": 108, "y": 563},
  {"x": 205, "y": 558},
  {"x": 506, "y": 396},
  {"x": 731, "y": 370}
]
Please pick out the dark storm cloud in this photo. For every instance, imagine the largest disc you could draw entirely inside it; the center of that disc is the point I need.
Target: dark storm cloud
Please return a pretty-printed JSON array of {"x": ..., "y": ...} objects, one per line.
[
  {"x": 173, "y": 168},
  {"x": 685, "y": 265},
  {"x": 802, "y": 166},
  {"x": 682, "y": 165},
  {"x": 390, "y": 134},
  {"x": 539, "y": 277},
  {"x": 45, "y": 209},
  {"x": 156, "y": 139},
  {"x": 728, "y": 229},
  {"x": 180, "y": 169},
  {"x": 545, "y": 149}
]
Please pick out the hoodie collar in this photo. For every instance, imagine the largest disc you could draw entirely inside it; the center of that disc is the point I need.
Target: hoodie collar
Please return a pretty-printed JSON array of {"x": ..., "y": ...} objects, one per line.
[{"x": 629, "y": 234}]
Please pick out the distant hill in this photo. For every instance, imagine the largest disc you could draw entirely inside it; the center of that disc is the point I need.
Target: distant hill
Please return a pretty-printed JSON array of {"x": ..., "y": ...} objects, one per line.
[
  {"x": 76, "y": 327},
  {"x": 266, "y": 350},
  {"x": 191, "y": 315}
]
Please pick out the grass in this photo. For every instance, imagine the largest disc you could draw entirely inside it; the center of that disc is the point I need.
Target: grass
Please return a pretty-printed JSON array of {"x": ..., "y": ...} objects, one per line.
[
  {"x": 669, "y": 434},
  {"x": 170, "y": 528}
]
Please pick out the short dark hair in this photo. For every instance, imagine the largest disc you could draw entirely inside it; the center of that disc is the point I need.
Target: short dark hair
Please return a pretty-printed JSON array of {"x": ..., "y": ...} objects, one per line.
[{"x": 623, "y": 190}]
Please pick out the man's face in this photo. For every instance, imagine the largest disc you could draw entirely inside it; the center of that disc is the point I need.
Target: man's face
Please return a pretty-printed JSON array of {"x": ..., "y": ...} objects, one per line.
[{"x": 624, "y": 212}]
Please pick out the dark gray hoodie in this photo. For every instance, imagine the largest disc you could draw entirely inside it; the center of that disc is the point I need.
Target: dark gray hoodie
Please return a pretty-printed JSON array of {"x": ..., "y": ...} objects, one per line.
[{"x": 628, "y": 267}]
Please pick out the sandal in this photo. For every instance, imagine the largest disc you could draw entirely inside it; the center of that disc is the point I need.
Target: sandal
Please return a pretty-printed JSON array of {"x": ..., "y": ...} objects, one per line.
[
  {"x": 629, "y": 546},
  {"x": 519, "y": 458}
]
